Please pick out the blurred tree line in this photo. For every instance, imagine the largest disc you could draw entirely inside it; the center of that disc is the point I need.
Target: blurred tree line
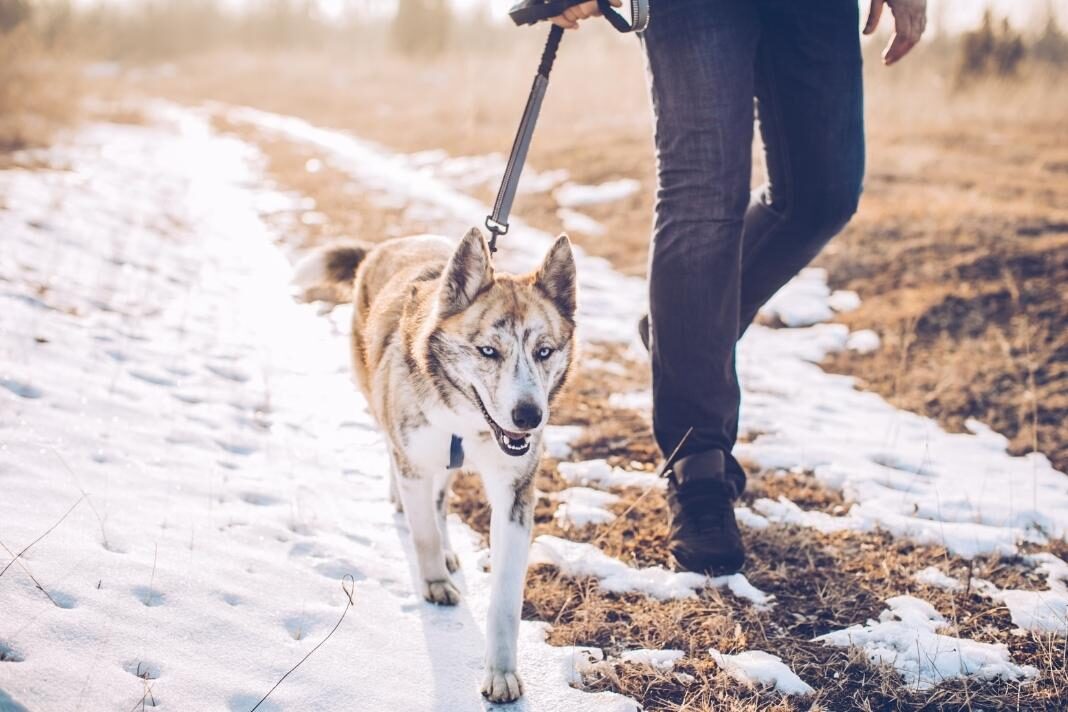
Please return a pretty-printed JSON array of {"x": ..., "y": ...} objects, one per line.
[
  {"x": 997, "y": 49},
  {"x": 160, "y": 29}
]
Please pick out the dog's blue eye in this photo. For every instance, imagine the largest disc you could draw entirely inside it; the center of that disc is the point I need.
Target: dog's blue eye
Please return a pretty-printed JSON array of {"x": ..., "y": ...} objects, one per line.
[
  {"x": 488, "y": 351},
  {"x": 543, "y": 353}
]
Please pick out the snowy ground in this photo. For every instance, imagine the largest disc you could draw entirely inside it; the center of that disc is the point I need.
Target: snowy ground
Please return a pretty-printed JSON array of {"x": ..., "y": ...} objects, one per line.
[{"x": 225, "y": 476}]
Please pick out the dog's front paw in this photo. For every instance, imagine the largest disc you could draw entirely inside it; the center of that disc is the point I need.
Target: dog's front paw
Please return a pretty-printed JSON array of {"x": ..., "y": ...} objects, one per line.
[
  {"x": 502, "y": 685},
  {"x": 442, "y": 592},
  {"x": 452, "y": 561}
]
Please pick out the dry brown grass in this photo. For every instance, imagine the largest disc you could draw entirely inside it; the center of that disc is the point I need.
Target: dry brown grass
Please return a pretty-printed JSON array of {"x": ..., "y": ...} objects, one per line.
[{"x": 39, "y": 92}]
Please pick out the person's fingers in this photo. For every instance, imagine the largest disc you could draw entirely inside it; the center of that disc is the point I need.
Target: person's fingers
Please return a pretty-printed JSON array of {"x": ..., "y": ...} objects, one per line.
[
  {"x": 908, "y": 28},
  {"x": 571, "y": 14},
  {"x": 564, "y": 22},
  {"x": 613, "y": 3},
  {"x": 874, "y": 12}
]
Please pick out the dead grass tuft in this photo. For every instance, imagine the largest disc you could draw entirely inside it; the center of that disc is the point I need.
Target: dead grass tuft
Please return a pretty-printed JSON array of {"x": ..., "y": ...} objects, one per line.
[{"x": 39, "y": 92}]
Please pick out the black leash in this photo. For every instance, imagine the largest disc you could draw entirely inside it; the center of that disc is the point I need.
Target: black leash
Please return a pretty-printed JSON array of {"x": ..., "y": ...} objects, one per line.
[{"x": 525, "y": 13}]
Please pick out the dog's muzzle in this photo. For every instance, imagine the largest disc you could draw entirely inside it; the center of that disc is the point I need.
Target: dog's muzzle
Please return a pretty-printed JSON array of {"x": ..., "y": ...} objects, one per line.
[{"x": 514, "y": 444}]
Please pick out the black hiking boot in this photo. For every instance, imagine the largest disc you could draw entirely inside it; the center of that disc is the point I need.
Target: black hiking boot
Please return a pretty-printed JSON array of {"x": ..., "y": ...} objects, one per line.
[{"x": 704, "y": 533}]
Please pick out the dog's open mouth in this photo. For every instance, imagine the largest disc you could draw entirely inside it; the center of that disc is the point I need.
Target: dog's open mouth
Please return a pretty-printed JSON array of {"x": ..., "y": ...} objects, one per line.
[{"x": 514, "y": 444}]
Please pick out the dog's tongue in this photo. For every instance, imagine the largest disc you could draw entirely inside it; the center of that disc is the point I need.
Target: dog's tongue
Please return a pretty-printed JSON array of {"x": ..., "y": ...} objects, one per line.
[{"x": 515, "y": 436}]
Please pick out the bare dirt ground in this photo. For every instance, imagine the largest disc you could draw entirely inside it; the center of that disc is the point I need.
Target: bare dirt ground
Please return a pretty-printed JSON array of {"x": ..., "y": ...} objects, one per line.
[{"x": 960, "y": 253}]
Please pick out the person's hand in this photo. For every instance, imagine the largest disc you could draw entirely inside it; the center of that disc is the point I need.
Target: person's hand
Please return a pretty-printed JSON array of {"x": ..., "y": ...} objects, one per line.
[
  {"x": 570, "y": 19},
  {"x": 910, "y": 19}
]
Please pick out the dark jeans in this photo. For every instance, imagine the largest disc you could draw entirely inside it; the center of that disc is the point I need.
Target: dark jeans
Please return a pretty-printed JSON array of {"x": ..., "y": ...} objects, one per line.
[{"x": 718, "y": 251}]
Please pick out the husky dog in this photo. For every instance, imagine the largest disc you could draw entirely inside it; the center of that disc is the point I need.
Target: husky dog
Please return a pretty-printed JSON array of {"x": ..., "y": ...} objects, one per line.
[{"x": 459, "y": 365}]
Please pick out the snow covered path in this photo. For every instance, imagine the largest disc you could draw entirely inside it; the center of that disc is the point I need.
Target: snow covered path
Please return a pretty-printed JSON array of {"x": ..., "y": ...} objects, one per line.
[{"x": 152, "y": 360}]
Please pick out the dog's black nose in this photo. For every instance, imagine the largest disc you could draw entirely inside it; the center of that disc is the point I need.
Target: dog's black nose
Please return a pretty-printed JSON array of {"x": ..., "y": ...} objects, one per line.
[{"x": 526, "y": 416}]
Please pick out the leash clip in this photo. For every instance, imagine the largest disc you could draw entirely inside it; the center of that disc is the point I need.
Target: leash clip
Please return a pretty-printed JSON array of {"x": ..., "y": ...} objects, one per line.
[{"x": 496, "y": 229}]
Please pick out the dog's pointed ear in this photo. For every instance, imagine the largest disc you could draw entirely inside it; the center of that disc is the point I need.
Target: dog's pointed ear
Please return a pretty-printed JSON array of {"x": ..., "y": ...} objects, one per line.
[
  {"x": 556, "y": 277},
  {"x": 469, "y": 272}
]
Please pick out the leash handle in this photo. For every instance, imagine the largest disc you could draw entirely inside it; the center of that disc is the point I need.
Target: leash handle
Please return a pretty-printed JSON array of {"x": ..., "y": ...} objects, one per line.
[
  {"x": 529, "y": 12},
  {"x": 639, "y": 15},
  {"x": 497, "y": 221}
]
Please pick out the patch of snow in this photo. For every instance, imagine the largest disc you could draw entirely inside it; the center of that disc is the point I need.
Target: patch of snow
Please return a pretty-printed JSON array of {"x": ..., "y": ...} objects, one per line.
[
  {"x": 803, "y": 301},
  {"x": 844, "y": 300},
  {"x": 1036, "y": 611},
  {"x": 756, "y": 668},
  {"x": 574, "y": 195},
  {"x": 580, "y": 506},
  {"x": 662, "y": 660},
  {"x": 864, "y": 341},
  {"x": 541, "y": 181},
  {"x": 933, "y": 576},
  {"x": 229, "y": 491},
  {"x": 904, "y": 473},
  {"x": 601, "y": 474},
  {"x": 574, "y": 221},
  {"x": 470, "y": 172},
  {"x": 613, "y": 367},
  {"x": 965, "y": 539},
  {"x": 906, "y": 637},
  {"x": 558, "y": 439},
  {"x": 784, "y": 511},
  {"x": 579, "y": 559},
  {"x": 747, "y": 517},
  {"x": 632, "y": 400}
]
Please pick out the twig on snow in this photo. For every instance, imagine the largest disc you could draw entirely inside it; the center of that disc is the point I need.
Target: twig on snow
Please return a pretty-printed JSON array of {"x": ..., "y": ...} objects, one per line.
[
  {"x": 33, "y": 578},
  {"x": 46, "y": 533},
  {"x": 348, "y": 585}
]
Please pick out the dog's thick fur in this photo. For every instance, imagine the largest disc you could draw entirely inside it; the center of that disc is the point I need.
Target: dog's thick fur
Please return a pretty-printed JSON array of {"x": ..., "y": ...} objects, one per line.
[{"x": 443, "y": 346}]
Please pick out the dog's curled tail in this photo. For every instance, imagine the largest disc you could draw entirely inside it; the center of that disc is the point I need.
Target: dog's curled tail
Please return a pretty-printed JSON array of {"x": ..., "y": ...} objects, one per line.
[{"x": 326, "y": 274}]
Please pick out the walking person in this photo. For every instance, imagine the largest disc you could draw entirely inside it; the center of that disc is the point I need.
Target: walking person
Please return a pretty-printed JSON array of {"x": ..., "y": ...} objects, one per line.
[{"x": 720, "y": 251}]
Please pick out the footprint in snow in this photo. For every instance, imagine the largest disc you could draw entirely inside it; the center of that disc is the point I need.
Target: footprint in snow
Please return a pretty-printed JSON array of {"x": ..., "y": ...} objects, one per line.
[
  {"x": 259, "y": 499},
  {"x": 144, "y": 669},
  {"x": 896, "y": 462},
  {"x": 10, "y": 704},
  {"x": 9, "y": 654},
  {"x": 63, "y": 600},
  {"x": 230, "y": 373},
  {"x": 237, "y": 448},
  {"x": 156, "y": 379},
  {"x": 20, "y": 388},
  {"x": 244, "y": 702},
  {"x": 303, "y": 624},
  {"x": 188, "y": 397},
  {"x": 309, "y": 549},
  {"x": 148, "y": 596},
  {"x": 338, "y": 568}
]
